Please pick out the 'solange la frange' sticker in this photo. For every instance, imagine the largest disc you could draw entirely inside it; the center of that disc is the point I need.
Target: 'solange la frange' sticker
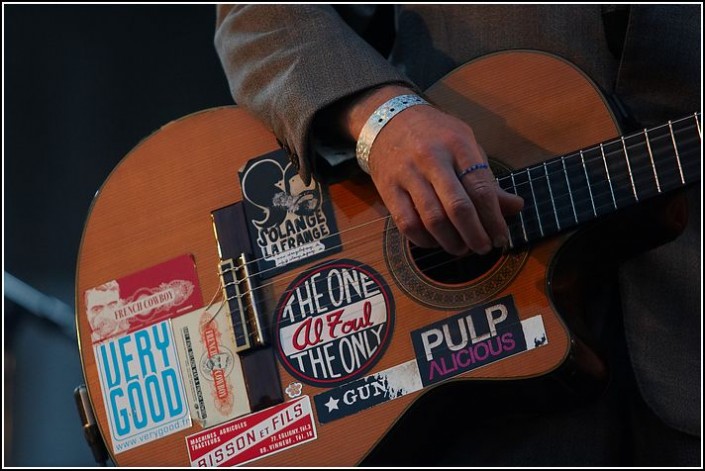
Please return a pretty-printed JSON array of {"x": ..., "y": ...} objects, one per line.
[
  {"x": 289, "y": 223},
  {"x": 334, "y": 322}
]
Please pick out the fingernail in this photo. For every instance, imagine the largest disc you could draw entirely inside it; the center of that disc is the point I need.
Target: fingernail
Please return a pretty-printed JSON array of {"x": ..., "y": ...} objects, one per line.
[{"x": 500, "y": 242}]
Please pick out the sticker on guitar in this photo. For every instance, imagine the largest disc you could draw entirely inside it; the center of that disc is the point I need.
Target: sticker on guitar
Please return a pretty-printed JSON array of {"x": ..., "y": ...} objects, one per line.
[
  {"x": 474, "y": 338},
  {"x": 143, "y": 298},
  {"x": 290, "y": 223},
  {"x": 469, "y": 340},
  {"x": 252, "y": 437},
  {"x": 142, "y": 386},
  {"x": 334, "y": 322},
  {"x": 216, "y": 388}
]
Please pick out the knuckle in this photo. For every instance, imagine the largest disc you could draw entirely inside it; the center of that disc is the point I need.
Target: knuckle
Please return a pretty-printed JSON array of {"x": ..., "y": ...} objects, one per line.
[
  {"x": 434, "y": 219},
  {"x": 481, "y": 189},
  {"x": 408, "y": 225},
  {"x": 459, "y": 207}
]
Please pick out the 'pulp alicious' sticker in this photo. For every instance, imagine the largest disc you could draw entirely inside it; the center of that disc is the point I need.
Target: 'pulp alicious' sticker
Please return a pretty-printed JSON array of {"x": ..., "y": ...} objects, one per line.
[
  {"x": 334, "y": 322},
  {"x": 215, "y": 384},
  {"x": 142, "y": 386},
  {"x": 289, "y": 223},
  {"x": 474, "y": 338},
  {"x": 367, "y": 392},
  {"x": 135, "y": 301},
  {"x": 255, "y": 436}
]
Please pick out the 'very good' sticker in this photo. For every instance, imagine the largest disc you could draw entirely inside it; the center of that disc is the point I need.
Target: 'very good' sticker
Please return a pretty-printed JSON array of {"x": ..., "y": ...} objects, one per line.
[{"x": 142, "y": 386}]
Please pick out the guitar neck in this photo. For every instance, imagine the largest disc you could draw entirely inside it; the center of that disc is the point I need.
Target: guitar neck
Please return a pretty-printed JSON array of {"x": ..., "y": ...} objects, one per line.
[{"x": 576, "y": 188}]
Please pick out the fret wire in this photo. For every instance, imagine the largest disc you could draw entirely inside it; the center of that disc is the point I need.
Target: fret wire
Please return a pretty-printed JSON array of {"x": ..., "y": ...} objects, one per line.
[
  {"x": 629, "y": 169},
  {"x": 550, "y": 192},
  {"x": 589, "y": 186},
  {"x": 697, "y": 124},
  {"x": 675, "y": 148},
  {"x": 521, "y": 217},
  {"x": 607, "y": 171},
  {"x": 570, "y": 192},
  {"x": 651, "y": 157},
  {"x": 509, "y": 230},
  {"x": 536, "y": 206}
]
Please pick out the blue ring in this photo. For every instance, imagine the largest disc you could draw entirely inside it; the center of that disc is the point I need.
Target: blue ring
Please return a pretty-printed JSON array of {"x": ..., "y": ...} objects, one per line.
[{"x": 472, "y": 168}]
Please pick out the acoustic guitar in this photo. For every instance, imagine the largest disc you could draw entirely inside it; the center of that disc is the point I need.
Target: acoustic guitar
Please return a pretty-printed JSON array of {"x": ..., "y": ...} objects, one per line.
[{"x": 262, "y": 321}]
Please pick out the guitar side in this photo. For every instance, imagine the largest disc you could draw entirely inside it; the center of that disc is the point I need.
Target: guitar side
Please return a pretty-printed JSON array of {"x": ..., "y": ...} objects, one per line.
[{"x": 524, "y": 107}]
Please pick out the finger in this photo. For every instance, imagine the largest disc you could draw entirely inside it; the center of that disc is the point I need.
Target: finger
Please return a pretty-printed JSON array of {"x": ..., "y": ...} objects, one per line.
[
  {"x": 434, "y": 217},
  {"x": 461, "y": 211},
  {"x": 509, "y": 203},
  {"x": 482, "y": 189},
  {"x": 406, "y": 218}
]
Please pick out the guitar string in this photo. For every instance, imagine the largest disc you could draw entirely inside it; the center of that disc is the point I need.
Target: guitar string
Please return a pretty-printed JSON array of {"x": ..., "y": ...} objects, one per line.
[
  {"x": 638, "y": 134},
  {"x": 531, "y": 180},
  {"x": 546, "y": 175},
  {"x": 350, "y": 244},
  {"x": 376, "y": 262}
]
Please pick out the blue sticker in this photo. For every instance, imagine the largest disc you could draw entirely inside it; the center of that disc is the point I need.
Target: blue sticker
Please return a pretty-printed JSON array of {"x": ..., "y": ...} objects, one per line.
[
  {"x": 142, "y": 386},
  {"x": 469, "y": 340}
]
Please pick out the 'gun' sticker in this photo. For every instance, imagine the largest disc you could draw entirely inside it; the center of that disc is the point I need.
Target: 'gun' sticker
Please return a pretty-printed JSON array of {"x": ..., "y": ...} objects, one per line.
[
  {"x": 473, "y": 339},
  {"x": 367, "y": 392},
  {"x": 289, "y": 223},
  {"x": 334, "y": 323},
  {"x": 142, "y": 386},
  {"x": 255, "y": 436}
]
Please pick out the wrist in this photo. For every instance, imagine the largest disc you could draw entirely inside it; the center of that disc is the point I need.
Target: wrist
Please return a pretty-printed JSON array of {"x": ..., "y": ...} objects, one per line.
[
  {"x": 360, "y": 108},
  {"x": 379, "y": 118}
]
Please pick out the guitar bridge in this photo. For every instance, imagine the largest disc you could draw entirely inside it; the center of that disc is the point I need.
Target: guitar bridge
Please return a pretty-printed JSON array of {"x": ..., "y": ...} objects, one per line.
[{"x": 239, "y": 289}]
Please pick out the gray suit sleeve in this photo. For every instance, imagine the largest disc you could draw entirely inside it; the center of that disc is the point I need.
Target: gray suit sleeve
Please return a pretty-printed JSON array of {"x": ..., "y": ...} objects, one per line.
[{"x": 285, "y": 63}]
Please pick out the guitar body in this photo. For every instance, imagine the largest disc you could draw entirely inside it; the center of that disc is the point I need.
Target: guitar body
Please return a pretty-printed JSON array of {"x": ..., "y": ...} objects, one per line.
[{"x": 524, "y": 108}]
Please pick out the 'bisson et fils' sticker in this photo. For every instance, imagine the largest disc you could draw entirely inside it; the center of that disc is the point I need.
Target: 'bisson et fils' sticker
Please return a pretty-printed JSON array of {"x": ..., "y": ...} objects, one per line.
[
  {"x": 289, "y": 223},
  {"x": 142, "y": 386},
  {"x": 334, "y": 322},
  {"x": 474, "y": 338},
  {"x": 254, "y": 436}
]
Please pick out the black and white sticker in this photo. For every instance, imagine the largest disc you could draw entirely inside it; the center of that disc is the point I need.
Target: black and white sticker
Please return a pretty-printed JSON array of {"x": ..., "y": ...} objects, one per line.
[
  {"x": 289, "y": 223},
  {"x": 367, "y": 392},
  {"x": 474, "y": 338}
]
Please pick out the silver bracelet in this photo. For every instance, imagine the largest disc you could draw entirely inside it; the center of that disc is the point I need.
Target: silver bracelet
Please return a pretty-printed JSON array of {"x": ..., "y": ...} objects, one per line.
[{"x": 377, "y": 121}]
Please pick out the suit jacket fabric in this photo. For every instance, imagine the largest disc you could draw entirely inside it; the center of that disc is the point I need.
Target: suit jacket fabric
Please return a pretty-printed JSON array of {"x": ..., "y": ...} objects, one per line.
[{"x": 286, "y": 63}]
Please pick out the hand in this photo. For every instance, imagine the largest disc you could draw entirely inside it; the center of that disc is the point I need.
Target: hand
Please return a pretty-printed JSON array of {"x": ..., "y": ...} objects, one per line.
[{"x": 414, "y": 163}]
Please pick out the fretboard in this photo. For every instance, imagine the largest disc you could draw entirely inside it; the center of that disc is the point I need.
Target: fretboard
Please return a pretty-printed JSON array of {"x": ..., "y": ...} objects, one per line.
[{"x": 579, "y": 187}]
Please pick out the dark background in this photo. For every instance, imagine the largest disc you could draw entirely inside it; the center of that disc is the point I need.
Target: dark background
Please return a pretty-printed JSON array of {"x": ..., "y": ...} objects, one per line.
[{"x": 82, "y": 86}]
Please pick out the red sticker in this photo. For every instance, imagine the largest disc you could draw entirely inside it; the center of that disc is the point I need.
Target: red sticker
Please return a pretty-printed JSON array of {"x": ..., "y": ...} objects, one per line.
[
  {"x": 249, "y": 438},
  {"x": 133, "y": 302}
]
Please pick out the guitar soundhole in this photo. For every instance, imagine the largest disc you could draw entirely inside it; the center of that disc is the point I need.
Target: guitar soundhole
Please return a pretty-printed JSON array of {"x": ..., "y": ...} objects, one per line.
[
  {"x": 445, "y": 268},
  {"x": 439, "y": 280}
]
